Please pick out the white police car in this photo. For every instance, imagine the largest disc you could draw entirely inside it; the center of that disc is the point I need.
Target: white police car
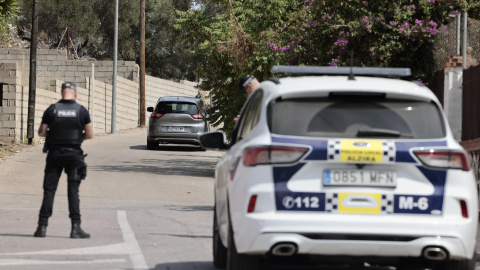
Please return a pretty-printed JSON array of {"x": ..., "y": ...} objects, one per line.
[{"x": 343, "y": 164}]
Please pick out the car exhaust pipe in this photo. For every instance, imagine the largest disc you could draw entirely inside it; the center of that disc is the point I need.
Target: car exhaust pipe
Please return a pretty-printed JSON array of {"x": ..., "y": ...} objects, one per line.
[
  {"x": 435, "y": 253},
  {"x": 284, "y": 249}
]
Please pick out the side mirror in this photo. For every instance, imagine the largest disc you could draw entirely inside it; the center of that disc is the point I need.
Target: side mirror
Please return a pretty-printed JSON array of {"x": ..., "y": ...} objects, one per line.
[
  {"x": 214, "y": 140},
  {"x": 150, "y": 109}
]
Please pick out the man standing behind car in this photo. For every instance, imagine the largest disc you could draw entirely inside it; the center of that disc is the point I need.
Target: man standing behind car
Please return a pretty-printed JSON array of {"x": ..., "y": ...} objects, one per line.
[
  {"x": 65, "y": 125},
  {"x": 247, "y": 85}
]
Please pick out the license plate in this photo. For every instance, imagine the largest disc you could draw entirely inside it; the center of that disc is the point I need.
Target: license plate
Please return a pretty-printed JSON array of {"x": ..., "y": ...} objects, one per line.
[
  {"x": 360, "y": 178},
  {"x": 175, "y": 129}
]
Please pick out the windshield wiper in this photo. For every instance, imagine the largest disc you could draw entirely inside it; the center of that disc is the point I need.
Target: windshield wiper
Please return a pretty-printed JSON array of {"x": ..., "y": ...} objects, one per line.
[{"x": 378, "y": 132}]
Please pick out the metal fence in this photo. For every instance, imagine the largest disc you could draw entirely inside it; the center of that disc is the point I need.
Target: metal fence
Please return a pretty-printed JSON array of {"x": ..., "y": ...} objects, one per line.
[
  {"x": 445, "y": 42},
  {"x": 473, "y": 46}
]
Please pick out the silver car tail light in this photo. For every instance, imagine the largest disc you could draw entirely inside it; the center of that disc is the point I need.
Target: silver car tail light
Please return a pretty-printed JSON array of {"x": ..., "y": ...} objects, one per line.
[
  {"x": 453, "y": 159},
  {"x": 197, "y": 116},
  {"x": 272, "y": 155},
  {"x": 156, "y": 115}
]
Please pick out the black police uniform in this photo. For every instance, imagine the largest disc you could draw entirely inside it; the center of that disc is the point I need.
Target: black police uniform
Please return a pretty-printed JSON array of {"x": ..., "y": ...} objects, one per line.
[{"x": 66, "y": 121}]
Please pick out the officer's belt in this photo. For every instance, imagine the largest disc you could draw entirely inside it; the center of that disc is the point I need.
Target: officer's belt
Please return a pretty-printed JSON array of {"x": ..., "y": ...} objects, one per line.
[{"x": 67, "y": 149}]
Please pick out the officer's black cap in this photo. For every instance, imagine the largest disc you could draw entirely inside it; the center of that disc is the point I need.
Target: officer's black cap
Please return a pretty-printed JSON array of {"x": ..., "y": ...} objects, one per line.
[
  {"x": 70, "y": 85},
  {"x": 244, "y": 81}
]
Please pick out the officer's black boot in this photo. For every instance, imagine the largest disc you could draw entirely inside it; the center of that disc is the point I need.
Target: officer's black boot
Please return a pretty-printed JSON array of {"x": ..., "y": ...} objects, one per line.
[
  {"x": 41, "y": 231},
  {"x": 77, "y": 232}
]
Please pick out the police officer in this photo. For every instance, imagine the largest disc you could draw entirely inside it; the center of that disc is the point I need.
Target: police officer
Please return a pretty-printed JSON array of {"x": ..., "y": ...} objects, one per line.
[{"x": 65, "y": 125}]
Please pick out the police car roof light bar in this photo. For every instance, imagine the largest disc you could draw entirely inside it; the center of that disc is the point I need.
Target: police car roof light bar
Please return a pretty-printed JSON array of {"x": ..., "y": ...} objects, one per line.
[{"x": 365, "y": 71}]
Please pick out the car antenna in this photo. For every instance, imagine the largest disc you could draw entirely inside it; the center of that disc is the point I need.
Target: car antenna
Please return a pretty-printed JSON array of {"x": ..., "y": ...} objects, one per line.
[{"x": 350, "y": 76}]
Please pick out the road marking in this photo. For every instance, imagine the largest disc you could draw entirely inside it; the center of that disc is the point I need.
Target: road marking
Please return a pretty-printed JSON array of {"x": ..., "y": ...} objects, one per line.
[
  {"x": 129, "y": 239},
  {"x": 47, "y": 262},
  {"x": 128, "y": 247}
]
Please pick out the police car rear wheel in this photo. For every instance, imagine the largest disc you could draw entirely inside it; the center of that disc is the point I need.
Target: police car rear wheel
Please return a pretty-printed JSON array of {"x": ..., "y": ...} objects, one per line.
[
  {"x": 236, "y": 261},
  {"x": 459, "y": 265},
  {"x": 219, "y": 250}
]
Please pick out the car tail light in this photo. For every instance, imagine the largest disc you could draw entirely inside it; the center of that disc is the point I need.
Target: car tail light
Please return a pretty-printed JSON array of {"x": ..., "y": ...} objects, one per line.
[
  {"x": 197, "y": 116},
  {"x": 272, "y": 155},
  {"x": 444, "y": 158},
  {"x": 463, "y": 206},
  {"x": 252, "y": 203},
  {"x": 156, "y": 115}
]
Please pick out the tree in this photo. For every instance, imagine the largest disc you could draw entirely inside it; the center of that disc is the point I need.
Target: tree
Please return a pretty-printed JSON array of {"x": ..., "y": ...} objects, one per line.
[
  {"x": 250, "y": 36},
  {"x": 8, "y": 11},
  {"x": 91, "y": 28},
  {"x": 90, "y": 22},
  {"x": 231, "y": 35},
  {"x": 168, "y": 56}
]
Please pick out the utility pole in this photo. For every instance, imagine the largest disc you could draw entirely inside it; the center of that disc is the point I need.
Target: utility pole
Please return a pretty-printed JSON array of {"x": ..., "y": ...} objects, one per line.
[
  {"x": 142, "y": 63},
  {"x": 458, "y": 18},
  {"x": 464, "y": 45},
  {"x": 32, "y": 84},
  {"x": 114, "y": 77}
]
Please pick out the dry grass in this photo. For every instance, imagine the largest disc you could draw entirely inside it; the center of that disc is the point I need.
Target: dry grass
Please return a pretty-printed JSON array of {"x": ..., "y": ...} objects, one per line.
[{"x": 8, "y": 149}]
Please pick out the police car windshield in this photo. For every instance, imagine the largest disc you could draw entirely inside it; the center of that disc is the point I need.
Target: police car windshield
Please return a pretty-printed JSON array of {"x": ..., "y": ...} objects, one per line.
[{"x": 353, "y": 117}]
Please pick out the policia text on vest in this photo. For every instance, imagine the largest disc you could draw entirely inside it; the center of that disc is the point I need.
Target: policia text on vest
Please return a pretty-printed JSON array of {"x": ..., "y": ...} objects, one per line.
[{"x": 65, "y": 125}]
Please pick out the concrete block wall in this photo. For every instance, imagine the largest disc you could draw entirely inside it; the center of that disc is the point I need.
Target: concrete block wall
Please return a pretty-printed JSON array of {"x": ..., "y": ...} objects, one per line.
[
  {"x": 95, "y": 95},
  {"x": 156, "y": 88},
  {"x": 23, "y": 55},
  {"x": 100, "y": 106},
  {"x": 53, "y": 64},
  {"x": 127, "y": 104},
  {"x": 13, "y": 121},
  {"x": 43, "y": 99},
  {"x": 9, "y": 73},
  {"x": 8, "y": 117}
]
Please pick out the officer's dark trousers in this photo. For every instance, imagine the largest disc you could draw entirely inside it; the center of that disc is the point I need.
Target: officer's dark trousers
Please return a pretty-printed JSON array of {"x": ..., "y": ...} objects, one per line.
[{"x": 57, "y": 161}]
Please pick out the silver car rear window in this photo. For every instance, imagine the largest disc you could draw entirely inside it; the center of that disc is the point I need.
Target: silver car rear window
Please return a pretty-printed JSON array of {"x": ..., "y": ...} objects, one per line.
[
  {"x": 353, "y": 118},
  {"x": 177, "y": 107}
]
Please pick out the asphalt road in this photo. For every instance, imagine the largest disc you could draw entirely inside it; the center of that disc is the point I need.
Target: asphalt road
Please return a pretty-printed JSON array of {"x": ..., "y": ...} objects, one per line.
[{"x": 144, "y": 209}]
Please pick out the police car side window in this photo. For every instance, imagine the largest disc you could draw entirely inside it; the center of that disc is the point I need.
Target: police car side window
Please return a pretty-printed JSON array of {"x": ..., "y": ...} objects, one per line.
[
  {"x": 252, "y": 114},
  {"x": 240, "y": 123}
]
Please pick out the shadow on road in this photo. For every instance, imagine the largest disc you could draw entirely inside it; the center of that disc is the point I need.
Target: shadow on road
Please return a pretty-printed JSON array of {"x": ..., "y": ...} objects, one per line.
[
  {"x": 168, "y": 147},
  {"x": 185, "y": 266},
  {"x": 29, "y": 235},
  {"x": 183, "y": 235},
  {"x": 17, "y": 235},
  {"x": 189, "y": 208},
  {"x": 183, "y": 167},
  {"x": 209, "y": 266}
]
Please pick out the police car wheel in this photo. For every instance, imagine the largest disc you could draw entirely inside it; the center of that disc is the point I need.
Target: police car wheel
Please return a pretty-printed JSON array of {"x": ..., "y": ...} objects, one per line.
[
  {"x": 219, "y": 250},
  {"x": 410, "y": 263},
  {"x": 236, "y": 261},
  {"x": 459, "y": 265}
]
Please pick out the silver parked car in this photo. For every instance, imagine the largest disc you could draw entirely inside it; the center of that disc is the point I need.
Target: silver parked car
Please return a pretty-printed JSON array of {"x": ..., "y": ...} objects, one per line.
[{"x": 178, "y": 120}]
